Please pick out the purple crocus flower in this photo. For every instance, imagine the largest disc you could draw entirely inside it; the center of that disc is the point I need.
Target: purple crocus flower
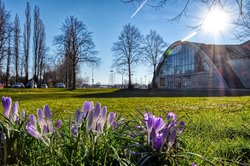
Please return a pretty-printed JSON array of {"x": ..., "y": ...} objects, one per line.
[
  {"x": 6, "y": 103},
  {"x": 78, "y": 116},
  {"x": 114, "y": 125},
  {"x": 48, "y": 117},
  {"x": 41, "y": 116},
  {"x": 194, "y": 164},
  {"x": 171, "y": 115},
  {"x": 158, "y": 142},
  {"x": 32, "y": 119},
  {"x": 90, "y": 121},
  {"x": 74, "y": 131},
  {"x": 15, "y": 112},
  {"x": 111, "y": 117},
  {"x": 23, "y": 114},
  {"x": 171, "y": 139},
  {"x": 58, "y": 123},
  {"x": 97, "y": 111},
  {"x": 181, "y": 127},
  {"x": 87, "y": 107},
  {"x": 33, "y": 132}
]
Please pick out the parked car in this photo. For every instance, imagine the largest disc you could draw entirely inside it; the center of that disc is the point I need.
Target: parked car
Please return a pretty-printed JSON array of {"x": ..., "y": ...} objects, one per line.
[
  {"x": 17, "y": 85},
  {"x": 60, "y": 85},
  {"x": 44, "y": 86},
  {"x": 31, "y": 84}
]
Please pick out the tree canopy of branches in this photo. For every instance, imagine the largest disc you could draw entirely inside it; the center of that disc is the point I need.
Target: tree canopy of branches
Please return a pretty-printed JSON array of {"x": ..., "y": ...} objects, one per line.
[
  {"x": 4, "y": 31},
  {"x": 76, "y": 46},
  {"x": 26, "y": 40},
  {"x": 243, "y": 24},
  {"x": 39, "y": 46},
  {"x": 127, "y": 50},
  {"x": 153, "y": 48},
  {"x": 16, "y": 31}
]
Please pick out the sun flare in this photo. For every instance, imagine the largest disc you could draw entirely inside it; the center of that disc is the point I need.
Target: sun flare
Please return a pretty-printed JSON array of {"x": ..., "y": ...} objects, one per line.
[{"x": 216, "y": 21}]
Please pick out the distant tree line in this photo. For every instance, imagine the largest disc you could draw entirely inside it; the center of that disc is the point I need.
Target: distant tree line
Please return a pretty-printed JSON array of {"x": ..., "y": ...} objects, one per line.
[{"x": 75, "y": 47}]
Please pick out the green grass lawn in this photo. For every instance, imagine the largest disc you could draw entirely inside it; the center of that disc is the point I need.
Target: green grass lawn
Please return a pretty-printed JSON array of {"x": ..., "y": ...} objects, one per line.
[{"x": 217, "y": 128}]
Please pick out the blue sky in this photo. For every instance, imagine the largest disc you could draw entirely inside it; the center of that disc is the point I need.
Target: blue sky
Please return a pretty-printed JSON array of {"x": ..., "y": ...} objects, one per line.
[{"x": 105, "y": 19}]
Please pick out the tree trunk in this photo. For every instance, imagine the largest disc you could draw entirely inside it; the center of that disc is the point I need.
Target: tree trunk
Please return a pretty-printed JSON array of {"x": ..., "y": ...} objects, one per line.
[
  {"x": 153, "y": 83},
  {"x": 74, "y": 76}
]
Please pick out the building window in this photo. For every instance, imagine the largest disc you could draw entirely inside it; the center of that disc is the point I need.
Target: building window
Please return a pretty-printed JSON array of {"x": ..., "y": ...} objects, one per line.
[
  {"x": 183, "y": 60},
  {"x": 162, "y": 82}
]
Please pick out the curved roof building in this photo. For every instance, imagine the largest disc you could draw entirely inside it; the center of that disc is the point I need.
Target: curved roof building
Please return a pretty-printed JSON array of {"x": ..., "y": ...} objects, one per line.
[{"x": 204, "y": 66}]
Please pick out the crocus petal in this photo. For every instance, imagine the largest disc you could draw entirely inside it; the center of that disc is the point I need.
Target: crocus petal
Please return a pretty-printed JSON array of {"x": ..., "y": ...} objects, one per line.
[
  {"x": 194, "y": 164},
  {"x": 99, "y": 128},
  {"x": 102, "y": 117},
  {"x": 172, "y": 139},
  {"x": 40, "y": 116},
  {"x": 33, "y": 132},
  {"x": 111, "y": 117},
  {"x": 6, "y": 103},
  {"x": 23, "y": 114},
  {"x": 171, "y": 115},
  {"x": 87, "y": 107},
  {"x": 77, "y": 116},
  {"x": 181, "y": 127},
  {"x": 97, "y": 111},
  {"x": 158, "y": 124},
  {"x": 74, "y": 131},
  {"x": 45, "y": 130},
  {"x": 48, "y": 117},
  {"x": 165, "y": 133},
  {"x": 114, "y": 125},
  {"x": 158, "y": 143},
  {"x": 47, "y": 112},
  {"x": 90, "y": 121},
  {"x": 58, "y": 123},
  {"x": 15, "y": 111},
  {"x": 32, "y": 120}
]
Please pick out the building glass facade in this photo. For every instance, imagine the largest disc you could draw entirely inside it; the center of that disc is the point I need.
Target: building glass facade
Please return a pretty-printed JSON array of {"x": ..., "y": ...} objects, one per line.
[{"x": 183, "y": 60}]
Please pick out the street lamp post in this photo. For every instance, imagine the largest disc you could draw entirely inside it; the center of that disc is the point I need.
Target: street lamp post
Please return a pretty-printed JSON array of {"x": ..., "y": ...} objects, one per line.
[{"x": 92, "y": 76}]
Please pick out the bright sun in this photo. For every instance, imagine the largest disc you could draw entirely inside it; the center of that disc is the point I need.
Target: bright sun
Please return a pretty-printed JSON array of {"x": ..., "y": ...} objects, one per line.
[{"x": 216, "y": 21}]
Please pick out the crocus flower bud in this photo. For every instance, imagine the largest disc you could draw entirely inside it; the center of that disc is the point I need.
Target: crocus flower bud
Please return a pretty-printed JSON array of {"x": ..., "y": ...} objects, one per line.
[
  {"x": 40, "y": 116},
  {"x": 58, "y": 123},
  {"x": 15, "y": 111},
  {"x": 33, "y": 132},
  {"x": 6, "y": 103},
  {"x": 171, "y": 115},
  {"x": 90, "y": 121},
  {"x": 32, "y": 120},
  {"x": 23, "y": 114},
  {"x": 172, "y": 139},
  {"x": 181, "y": 127},
  {"x": 74, "y": 131},
  {"x": 77, "y": 116},
  {"x": 47, "y": 113},
  {"x": 111, "y": 117},
  {"x": 97, "y": 111},
  {"x": 114, "y": 125}
]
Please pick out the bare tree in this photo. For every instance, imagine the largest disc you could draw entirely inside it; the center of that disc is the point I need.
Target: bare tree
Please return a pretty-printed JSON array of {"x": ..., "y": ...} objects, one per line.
[
  {"x": 39, "y": 46},
  {"x": 127, "y": 50},
  {"x": 242, "y": 31},
  {"x": 36, "y": 36},
  {"x": 8, "y": 58},
  {"x": 76, "y": 46},
  {"x": 42, "y": 52},
  {"x": 16, "y": 31},
  {"x": 153, "y": 48},
  {"x": 26, "y": 40},
  {"x": 4, "y": 31}
]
